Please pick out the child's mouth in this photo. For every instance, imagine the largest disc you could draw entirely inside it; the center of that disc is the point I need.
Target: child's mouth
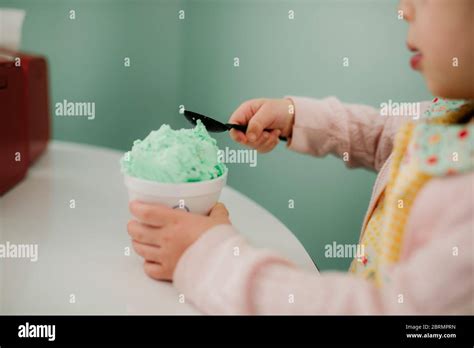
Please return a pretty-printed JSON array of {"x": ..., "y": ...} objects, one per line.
[{"x": 416, "y": 59}]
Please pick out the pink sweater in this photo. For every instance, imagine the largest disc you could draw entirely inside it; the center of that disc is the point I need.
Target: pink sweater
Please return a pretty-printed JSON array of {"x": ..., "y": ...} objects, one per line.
[{"x": 431, "y": 277}]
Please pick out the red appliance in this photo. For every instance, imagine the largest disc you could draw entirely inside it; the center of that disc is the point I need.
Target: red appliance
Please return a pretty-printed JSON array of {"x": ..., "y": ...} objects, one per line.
[{"x": 24, "y": 114}]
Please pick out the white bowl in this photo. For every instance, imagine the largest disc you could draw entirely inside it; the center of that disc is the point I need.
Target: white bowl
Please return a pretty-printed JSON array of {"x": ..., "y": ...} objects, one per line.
[{"x": 195, "y": 197}]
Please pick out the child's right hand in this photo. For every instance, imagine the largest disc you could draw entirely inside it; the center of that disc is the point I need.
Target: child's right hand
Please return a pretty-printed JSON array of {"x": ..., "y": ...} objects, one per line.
[{"x": 260, "y": 114}]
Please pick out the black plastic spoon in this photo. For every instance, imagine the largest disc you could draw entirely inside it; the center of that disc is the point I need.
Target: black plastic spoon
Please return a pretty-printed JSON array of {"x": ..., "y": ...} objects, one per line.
[{"x": 215, "y": 126}]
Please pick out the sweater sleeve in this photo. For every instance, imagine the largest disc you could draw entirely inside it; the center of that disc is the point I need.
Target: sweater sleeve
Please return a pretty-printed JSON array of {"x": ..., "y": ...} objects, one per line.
[
  {"x": 358, "y": 134},
  {"x": 218, "y": 280}
]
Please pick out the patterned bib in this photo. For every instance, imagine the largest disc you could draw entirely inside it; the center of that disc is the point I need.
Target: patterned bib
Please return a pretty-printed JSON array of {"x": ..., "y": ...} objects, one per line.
[{"x": 441, "y": 144}]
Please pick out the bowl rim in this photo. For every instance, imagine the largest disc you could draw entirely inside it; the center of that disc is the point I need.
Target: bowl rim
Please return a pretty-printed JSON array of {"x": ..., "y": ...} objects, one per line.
[{"x": 173, "y": 189}]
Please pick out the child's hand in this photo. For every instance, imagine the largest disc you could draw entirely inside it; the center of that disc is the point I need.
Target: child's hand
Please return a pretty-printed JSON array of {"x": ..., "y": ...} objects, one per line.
[
  {"x": 260, "y": 114},
  {"x": 161, "y": 234}
]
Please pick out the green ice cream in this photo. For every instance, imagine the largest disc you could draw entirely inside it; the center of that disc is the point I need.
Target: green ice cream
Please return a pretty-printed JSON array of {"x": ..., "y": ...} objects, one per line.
[{"x": 174, "y": 156}]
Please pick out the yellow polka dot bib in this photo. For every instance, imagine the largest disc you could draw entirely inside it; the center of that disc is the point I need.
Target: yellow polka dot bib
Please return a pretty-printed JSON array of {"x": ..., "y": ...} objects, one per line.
[{"x": 439, "y": 145}]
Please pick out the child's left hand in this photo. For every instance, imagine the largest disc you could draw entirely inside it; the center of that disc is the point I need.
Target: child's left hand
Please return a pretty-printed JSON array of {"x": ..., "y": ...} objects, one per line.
[{"x": 161, "y": 234}]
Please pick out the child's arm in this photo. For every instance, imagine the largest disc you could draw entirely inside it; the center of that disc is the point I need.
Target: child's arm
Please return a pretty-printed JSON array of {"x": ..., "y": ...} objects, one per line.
[
  {"x": 355, "y": 133},
  {"x": 434, "y": 274},
  {"x": 358, "y": 134},
  {"x": 216, "y": 281}
]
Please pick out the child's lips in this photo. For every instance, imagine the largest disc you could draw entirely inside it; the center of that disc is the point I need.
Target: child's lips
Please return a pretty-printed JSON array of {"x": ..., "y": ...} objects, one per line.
[{"x": 416, "y": 60}]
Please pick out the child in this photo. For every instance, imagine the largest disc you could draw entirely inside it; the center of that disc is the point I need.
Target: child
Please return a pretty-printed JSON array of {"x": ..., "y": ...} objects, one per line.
[{"x": 418, "y": 231}]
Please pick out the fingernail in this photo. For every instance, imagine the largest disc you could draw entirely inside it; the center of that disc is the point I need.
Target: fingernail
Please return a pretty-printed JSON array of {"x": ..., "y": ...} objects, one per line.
[{"x": 252, "y": 137}]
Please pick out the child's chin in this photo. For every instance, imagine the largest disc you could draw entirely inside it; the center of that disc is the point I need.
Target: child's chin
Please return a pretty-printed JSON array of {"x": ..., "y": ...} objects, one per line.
[
  {"x": 444, "y": 90},
  {"x": 454, "y": 86}
]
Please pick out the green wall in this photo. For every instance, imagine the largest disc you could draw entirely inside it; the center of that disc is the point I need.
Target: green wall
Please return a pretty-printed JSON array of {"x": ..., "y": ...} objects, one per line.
[{"x": 190, "y": 62}]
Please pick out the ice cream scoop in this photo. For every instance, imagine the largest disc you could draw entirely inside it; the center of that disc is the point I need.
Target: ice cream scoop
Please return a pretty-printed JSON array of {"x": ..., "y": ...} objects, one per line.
[
  {"x": 174, "y": 156},
  {"x": 215, "y": 126}
]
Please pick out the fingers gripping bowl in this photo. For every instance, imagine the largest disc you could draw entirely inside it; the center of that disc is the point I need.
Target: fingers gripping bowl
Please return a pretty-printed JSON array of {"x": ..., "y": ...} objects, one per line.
[{"x": 178, "y": 168}]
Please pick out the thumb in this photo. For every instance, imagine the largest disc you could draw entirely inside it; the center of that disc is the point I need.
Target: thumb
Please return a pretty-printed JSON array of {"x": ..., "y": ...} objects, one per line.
[
  {"x": 261, "y": 120},
  {"x": 219, "y": 211}
]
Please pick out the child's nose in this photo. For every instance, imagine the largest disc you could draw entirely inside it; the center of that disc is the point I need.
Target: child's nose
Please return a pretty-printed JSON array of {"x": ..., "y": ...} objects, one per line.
[{"x": 407, "y": 9}]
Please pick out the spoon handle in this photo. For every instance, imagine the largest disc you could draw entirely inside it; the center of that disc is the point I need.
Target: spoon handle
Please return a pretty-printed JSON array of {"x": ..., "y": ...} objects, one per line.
[{"x": 243, "y": 129}]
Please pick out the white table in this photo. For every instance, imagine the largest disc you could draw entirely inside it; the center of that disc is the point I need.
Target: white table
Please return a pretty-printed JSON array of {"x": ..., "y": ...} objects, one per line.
[{"x": 82, "y": 265}]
